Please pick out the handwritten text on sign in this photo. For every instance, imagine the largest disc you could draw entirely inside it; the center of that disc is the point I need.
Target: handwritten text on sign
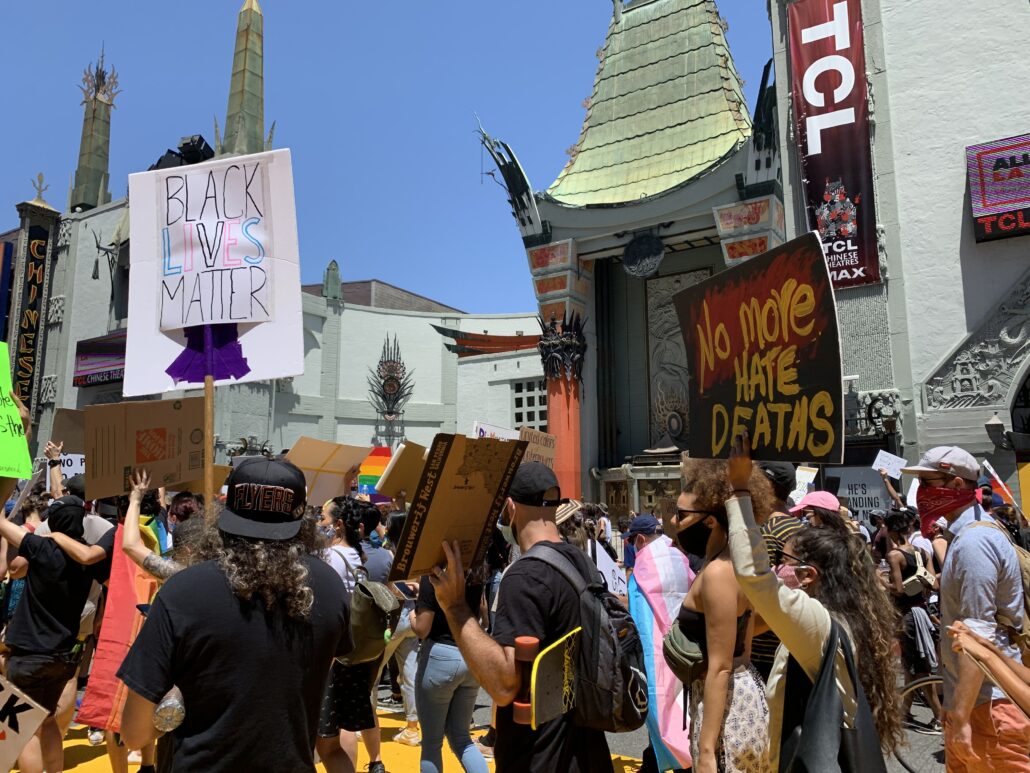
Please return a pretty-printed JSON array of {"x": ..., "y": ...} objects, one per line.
[
  {"x": 764, "y": 356},
  {"x": 214, "y": 232}
]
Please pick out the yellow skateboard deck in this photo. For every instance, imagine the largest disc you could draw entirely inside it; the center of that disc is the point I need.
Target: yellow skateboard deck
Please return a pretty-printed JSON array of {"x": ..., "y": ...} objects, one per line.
[{"x": 552, "y": 690}]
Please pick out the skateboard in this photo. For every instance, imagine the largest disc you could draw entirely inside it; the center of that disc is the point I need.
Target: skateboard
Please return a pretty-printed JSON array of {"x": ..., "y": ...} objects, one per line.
[{"x": 548, "y": 679}]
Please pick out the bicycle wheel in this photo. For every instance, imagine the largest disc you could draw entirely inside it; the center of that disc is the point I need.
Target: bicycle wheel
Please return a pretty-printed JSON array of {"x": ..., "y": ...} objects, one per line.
[{"x": 924, "y": 752}]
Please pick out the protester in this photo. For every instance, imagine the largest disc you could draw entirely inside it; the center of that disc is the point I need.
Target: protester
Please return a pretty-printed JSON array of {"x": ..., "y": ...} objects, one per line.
[
  {"x": 157, "y": 566},
  {"x": 881, "y": 542},
  {"x": 534, "y": 600},
  {"x": 728, "y": 710},
  {"x": 403, "y": 648},
  {"x": 939, "y": 541},
  {"x": 246, "y": 636},
  {"x": 822, "y": 510},
  {"x": 42, "y": 636},
  {"x": 980, "y": 586},
  {"x": 837, "y": 580},
  {"x": 348, "y": 707},
  {"x": 445, "y": 688},
  {"x": 661, "y": 579},
  {"x": 917, "y": 635},
  {"x": 779, "y": 528}
]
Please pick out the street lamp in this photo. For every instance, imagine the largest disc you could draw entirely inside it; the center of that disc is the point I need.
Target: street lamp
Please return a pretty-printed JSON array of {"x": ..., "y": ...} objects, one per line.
[{"x": 995, "y": 428}]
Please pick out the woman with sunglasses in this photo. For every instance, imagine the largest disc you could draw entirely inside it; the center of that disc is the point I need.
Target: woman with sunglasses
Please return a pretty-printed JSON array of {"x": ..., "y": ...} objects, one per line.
[
  {"x": 728, "y": 710},
  {"x": 837, "y": 580}
]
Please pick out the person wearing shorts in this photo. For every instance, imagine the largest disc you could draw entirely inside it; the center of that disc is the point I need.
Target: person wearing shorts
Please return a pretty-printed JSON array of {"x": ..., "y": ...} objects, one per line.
[{"x": 347, "y": 704}]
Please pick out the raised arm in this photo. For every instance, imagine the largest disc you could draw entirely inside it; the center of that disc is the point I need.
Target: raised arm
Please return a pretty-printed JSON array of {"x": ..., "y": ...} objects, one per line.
[
  {"x": 132, "y": 541},
  {"x": 894, "y": 495},
  {"x": 52, "y": 452},
  {"x": 800, "y": 622}
]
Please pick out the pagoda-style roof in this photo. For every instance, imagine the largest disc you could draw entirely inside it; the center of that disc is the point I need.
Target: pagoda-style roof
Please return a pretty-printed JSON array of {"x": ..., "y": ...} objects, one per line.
[{"x": 667, "y": 106}]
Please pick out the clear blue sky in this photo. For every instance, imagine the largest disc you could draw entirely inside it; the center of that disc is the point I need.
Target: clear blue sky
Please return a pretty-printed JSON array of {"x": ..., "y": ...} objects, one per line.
[{"x": 376, "y": 100}]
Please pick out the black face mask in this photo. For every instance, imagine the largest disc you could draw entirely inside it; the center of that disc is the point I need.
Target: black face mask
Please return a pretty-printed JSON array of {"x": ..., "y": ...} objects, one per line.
[{"x": 694, "y": 539}]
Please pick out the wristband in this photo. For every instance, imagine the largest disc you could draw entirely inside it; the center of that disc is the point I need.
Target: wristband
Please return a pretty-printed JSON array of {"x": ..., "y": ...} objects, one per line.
[
  {"x": 53, "y": 463},
  {"x": 741, "y": 492}
]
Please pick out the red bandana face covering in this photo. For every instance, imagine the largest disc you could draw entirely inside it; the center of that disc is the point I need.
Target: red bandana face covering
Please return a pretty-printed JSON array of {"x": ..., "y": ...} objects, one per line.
[{"x": 937, "y": 501}]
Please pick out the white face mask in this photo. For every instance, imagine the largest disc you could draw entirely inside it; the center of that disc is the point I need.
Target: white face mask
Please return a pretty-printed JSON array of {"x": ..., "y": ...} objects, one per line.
[{"x": 506, "y": 528}]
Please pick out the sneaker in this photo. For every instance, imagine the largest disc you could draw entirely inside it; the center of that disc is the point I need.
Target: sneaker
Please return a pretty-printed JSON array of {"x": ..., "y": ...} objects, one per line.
[
  {"x": 408, "y": 737},
  {"x": 487, "y": 750},
  {"x": 376, "y": 767},
  {"x": 96, "y": 736},
  {"x": 923, "y": 728}
]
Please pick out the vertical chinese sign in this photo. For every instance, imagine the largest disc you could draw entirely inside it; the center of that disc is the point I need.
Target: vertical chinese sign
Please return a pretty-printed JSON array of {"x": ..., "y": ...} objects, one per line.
[{"x": 831, "y": 108}]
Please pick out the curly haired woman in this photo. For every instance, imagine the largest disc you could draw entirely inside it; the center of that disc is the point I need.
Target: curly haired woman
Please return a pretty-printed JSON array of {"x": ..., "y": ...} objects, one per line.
[
  {"x": 728, "y": 710},
  {"x": 838, "y": 582}
]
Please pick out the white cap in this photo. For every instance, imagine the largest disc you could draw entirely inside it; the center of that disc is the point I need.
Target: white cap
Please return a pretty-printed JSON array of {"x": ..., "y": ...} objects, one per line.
[{"x": 950, "y": 460}]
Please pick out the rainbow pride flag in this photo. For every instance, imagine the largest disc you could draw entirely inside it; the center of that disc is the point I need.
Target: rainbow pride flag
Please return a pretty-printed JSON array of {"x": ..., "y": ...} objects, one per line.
[{"x": 372, "y": 470}]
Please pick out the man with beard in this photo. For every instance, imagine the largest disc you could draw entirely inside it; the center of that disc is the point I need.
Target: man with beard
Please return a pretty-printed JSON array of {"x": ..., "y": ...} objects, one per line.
[{"x": 247, "y": 636}]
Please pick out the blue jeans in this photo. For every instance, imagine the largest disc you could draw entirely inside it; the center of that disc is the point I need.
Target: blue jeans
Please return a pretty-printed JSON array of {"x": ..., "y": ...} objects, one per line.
[
  {"x": 445, "y": 692},
  {"x": 403, "y": 646}
]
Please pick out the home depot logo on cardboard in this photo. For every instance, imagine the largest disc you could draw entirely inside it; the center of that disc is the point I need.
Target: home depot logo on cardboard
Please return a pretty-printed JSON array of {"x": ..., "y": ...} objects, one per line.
[{"x": 152, "y": 445}]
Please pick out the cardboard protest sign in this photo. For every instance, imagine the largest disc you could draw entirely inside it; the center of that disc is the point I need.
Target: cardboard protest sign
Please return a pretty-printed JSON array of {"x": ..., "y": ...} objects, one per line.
[
  {"x": 889, "y": 462},
  {"x": 325, "y": 465},
  {"x": 463, "y": 487},
  {"x": 165, "y": 437},
  {"x": 19, "y": 719},
  {"x": 764, "y": 355},
  {"x": 197, "y": 484},
  {"x": 70, "y": 429},
  {"x": 15, "y": 461},
  {"x": 482, "y": 429},
  {"x": 214, "y": 246},
  {"x": 403, "y": 471},
  {"x": 541, "y": 446}
]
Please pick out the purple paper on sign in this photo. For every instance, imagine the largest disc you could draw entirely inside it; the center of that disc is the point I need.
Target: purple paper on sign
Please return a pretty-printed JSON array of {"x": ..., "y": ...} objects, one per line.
[{"x": 227, "y": 358}]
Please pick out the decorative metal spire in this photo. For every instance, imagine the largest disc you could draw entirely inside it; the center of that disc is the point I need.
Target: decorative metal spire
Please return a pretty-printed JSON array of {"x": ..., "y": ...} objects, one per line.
[{"x": 99, "y": 83}]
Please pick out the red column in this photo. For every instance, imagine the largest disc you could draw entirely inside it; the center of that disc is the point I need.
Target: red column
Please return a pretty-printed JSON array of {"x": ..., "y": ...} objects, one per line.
[{"x": 563, "y": 423}]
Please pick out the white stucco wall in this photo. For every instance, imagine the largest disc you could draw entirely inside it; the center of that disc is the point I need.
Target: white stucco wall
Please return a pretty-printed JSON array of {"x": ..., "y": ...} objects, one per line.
[
  {"x": 485, "y": 387},
  {"x": 945, "y": 92}
]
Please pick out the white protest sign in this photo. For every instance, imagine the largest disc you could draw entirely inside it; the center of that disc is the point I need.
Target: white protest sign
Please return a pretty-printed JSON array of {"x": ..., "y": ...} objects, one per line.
[
  {"x": 889, "y": 462},
  {"x": 214, "y": 246},
  {"x": 20, "y": 717},
  {"x": 610, "y": 571},
  {"x": 481, "y": 429},
  {"x": 73, "y": 464},
  {"x": 805, "y": 477},
  {"x": 864, "y": 489}
]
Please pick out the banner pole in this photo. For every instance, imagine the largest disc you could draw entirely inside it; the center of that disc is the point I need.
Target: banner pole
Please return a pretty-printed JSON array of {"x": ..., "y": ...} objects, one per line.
[{"x": 209, "y": 424}]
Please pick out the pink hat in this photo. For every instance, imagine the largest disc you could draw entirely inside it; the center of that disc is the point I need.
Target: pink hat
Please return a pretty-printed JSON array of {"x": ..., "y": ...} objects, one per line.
[{"x": 823, "y": 499}]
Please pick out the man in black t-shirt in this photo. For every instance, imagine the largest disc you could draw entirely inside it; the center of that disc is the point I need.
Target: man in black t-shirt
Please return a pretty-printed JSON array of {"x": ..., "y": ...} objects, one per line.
[
  {"x": 533, "y": 600},
  {"x": 43, "y": 633},
  {"x": 247, "y": 637}
]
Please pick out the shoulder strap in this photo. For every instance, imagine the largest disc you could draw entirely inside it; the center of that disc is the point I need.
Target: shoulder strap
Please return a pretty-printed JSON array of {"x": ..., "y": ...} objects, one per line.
[
  {"x": 545, "y": 552},
  {"x": 919, "y": 558},
  {"x": 993, "y": 525},
  {"x": 346, "y": 563}
]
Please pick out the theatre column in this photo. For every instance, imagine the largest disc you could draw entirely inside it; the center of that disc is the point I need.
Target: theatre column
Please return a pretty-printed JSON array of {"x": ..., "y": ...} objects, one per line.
[{"x": 562, "y": 285}]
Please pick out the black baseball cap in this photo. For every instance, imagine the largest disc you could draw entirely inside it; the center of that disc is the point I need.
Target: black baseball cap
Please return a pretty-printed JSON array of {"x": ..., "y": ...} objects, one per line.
[
  {"x": 76, "y": 486},
  {"x": 529, "y": 484},
  {"x": 782, "y": 474},
  {"x": 265, "y": 500}
]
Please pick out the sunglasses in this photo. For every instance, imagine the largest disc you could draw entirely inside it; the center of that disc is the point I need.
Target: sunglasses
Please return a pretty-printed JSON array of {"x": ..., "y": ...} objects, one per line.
[
  {"x": 801, "y": 568},
  {"x": 684, "y": 513}
]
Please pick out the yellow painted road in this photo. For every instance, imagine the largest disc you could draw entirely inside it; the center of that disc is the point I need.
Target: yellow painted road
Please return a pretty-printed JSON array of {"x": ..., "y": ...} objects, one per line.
[{"x": 83, "y": 758}]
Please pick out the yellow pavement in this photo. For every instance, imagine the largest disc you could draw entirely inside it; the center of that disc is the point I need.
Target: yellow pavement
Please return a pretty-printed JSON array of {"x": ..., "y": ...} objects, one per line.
[{"x": 83, "y": 758}]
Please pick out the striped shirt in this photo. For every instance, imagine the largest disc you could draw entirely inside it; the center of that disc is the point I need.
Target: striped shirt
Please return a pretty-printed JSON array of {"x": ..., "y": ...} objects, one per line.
[{"x": 776, "y": 531}]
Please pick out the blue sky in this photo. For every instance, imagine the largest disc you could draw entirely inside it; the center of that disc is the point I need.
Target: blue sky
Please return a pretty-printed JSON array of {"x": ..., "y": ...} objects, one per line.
[{"x": 376, "y": 101}]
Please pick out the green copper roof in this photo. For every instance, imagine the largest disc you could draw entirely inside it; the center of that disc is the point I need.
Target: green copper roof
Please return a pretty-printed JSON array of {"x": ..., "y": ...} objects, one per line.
[
  {"x": 245, "y": 117},
  {"x": 667, "y": 106}
]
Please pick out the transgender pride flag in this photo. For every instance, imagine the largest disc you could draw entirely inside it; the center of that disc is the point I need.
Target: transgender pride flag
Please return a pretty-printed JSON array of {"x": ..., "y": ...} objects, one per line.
[{"x": 661, "y": 577}]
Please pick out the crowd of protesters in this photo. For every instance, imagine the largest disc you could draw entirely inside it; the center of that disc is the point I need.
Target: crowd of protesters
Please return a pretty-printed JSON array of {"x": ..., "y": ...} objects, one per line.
[{"x": 242, "y": 631}]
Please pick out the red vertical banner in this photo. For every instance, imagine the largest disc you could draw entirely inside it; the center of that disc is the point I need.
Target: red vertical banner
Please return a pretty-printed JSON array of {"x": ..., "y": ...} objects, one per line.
[{"x": 831, "y": 110}]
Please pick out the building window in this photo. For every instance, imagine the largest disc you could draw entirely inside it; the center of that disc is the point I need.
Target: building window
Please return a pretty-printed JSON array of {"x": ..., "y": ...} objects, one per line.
[{"x": 529, "y": 404}]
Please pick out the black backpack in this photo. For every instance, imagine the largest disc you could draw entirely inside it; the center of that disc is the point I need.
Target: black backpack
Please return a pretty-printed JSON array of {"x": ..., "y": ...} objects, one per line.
[{"x": 611, "y": 683}]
